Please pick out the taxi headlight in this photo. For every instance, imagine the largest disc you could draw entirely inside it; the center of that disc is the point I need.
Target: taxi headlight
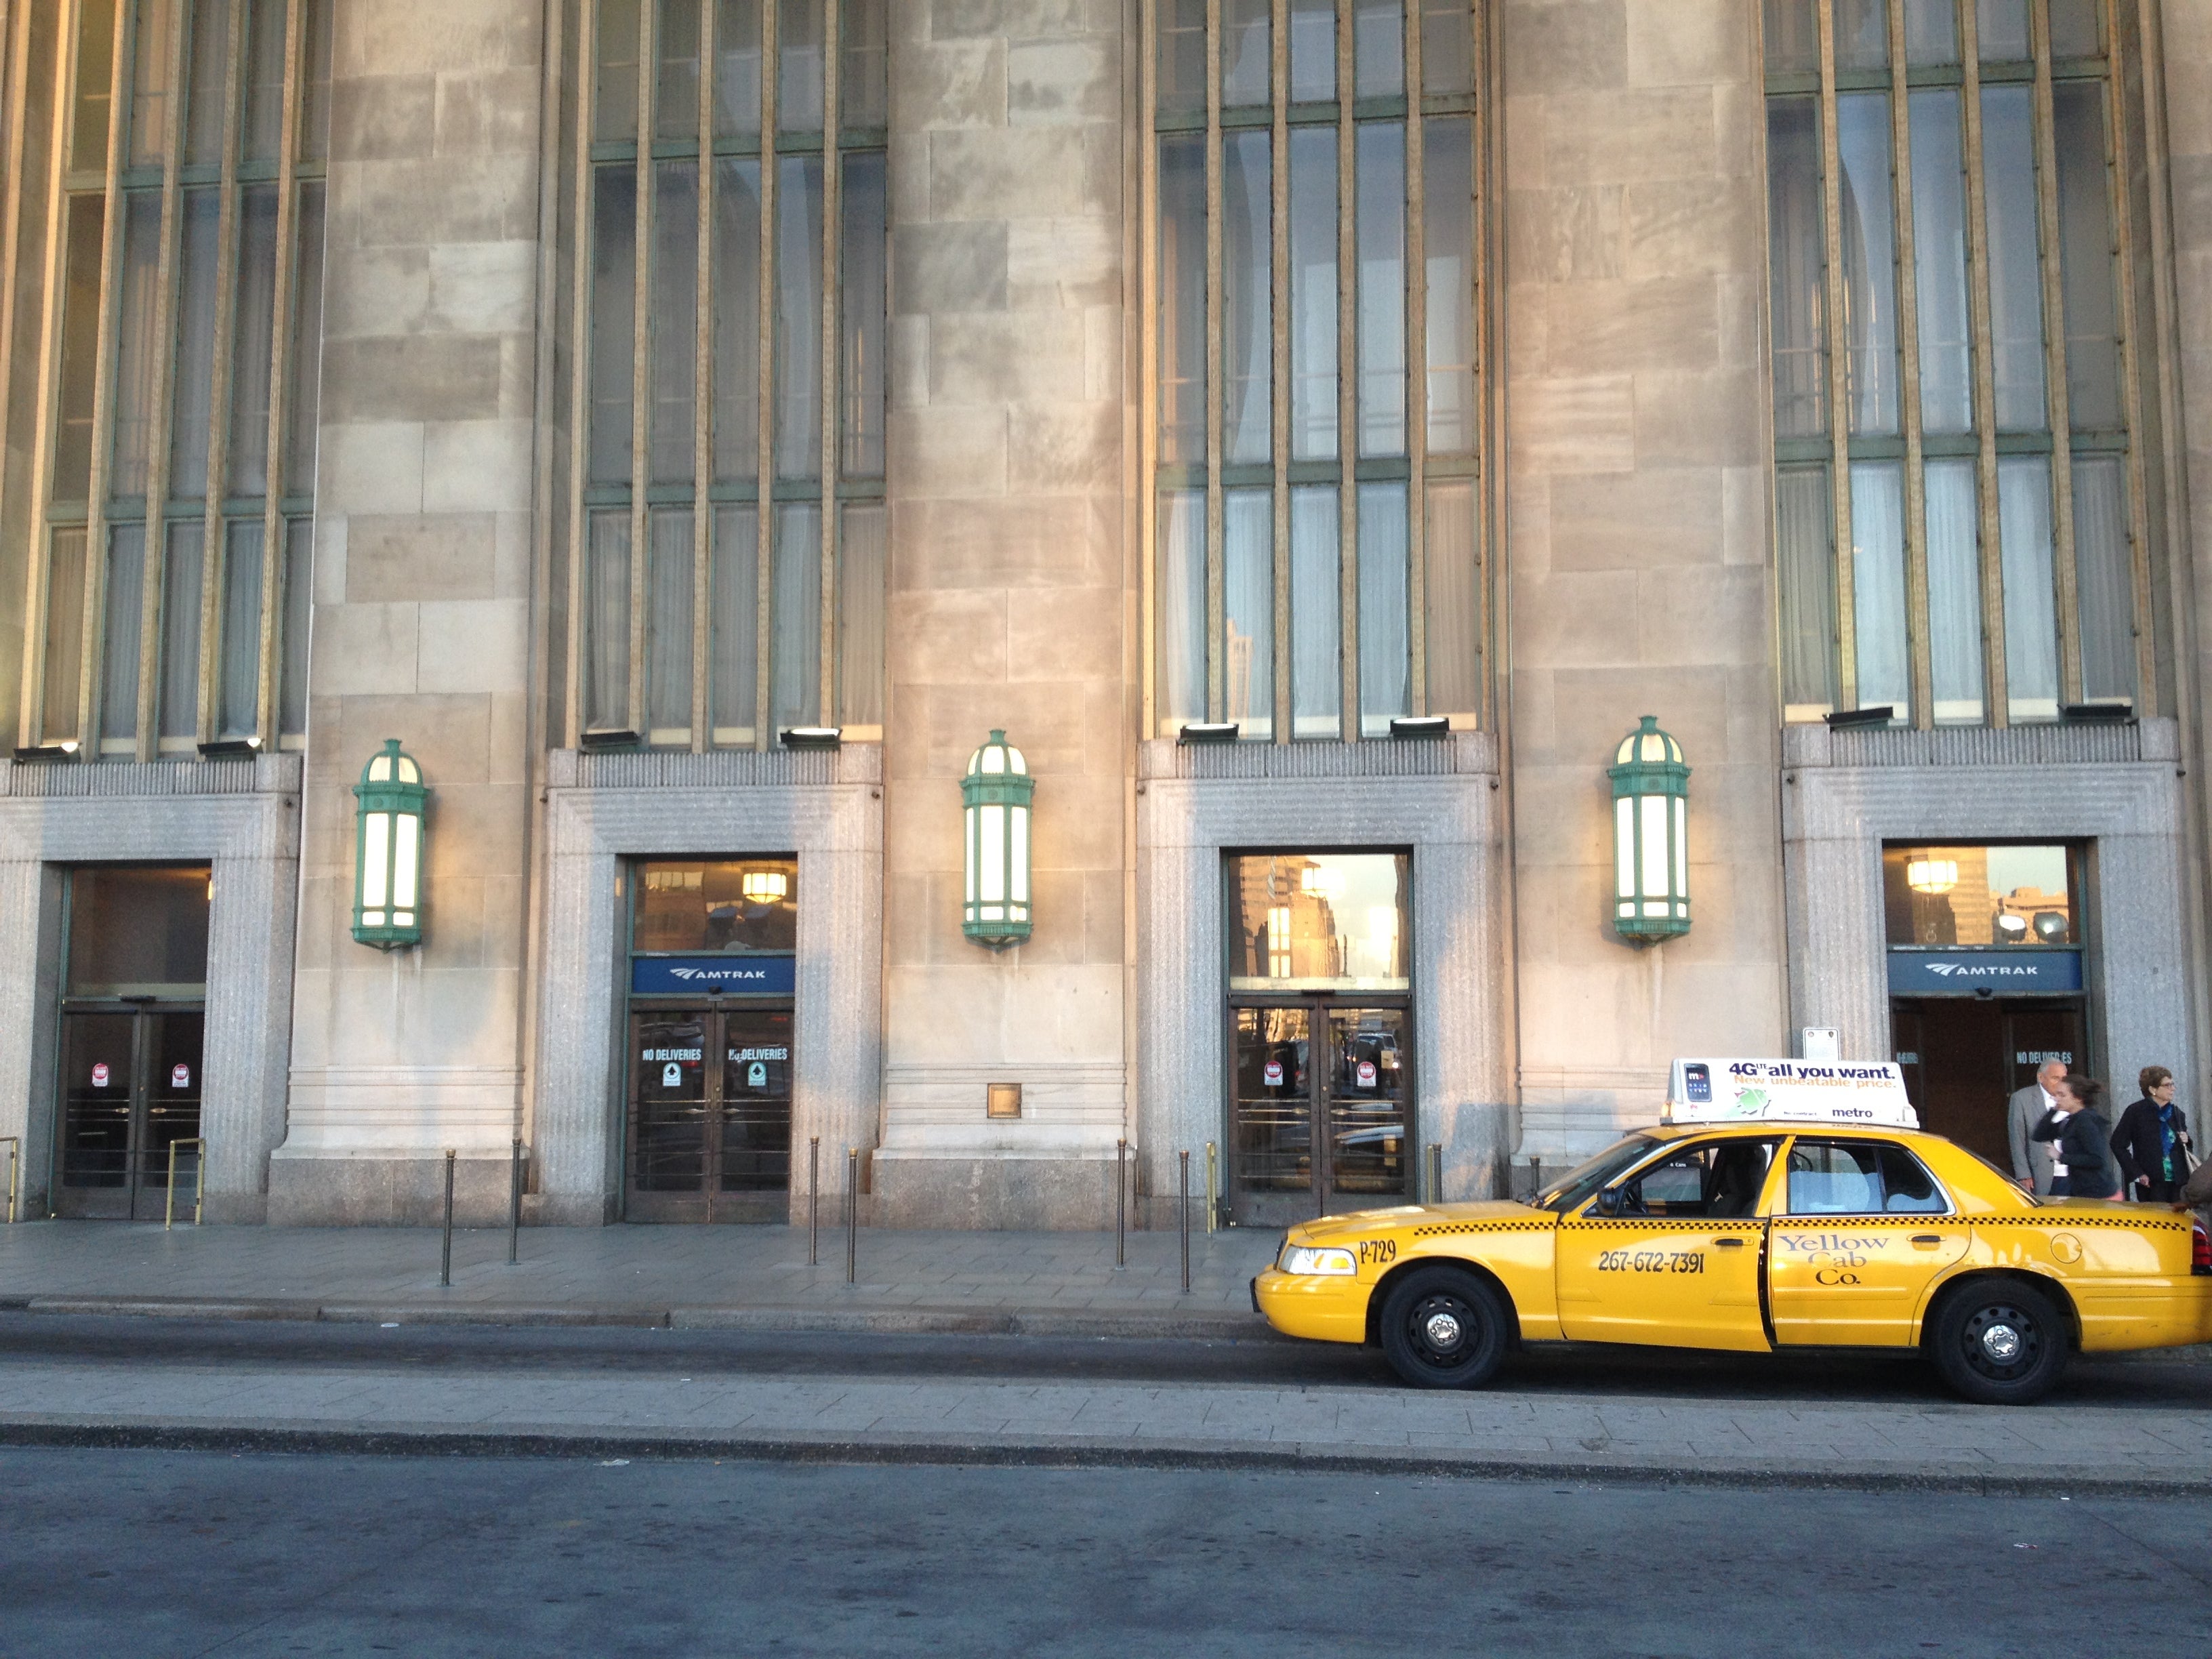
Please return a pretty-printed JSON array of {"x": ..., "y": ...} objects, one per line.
[{"x": 1304, "y": 1259}]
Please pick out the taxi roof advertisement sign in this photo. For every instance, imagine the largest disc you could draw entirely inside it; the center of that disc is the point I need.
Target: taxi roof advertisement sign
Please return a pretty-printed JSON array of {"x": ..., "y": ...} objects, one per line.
[{"x": 1792, "y": 1091}]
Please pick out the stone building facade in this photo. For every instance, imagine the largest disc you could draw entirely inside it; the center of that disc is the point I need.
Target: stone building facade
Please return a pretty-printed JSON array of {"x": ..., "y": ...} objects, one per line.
[{"x": 1313, "y": 431}]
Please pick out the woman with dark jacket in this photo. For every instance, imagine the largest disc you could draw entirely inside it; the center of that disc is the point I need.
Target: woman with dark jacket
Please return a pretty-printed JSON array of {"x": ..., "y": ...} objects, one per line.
[
  {"x": 2152, "y": 1141},
  {"x": 2084, "y": 1140}
]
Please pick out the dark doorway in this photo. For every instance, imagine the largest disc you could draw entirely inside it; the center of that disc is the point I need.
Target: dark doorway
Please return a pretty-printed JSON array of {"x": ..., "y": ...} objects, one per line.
[
  {"x": 134, "y": 992},
  {"x": 130, "y": 1092},
  {"x": 1964, "y": 1056},
  {"x": 1319, "y": 1095},
  {"x": 709, "y": 1117}
]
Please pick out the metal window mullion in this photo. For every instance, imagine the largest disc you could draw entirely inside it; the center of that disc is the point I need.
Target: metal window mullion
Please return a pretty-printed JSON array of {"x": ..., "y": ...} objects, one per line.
[
  {"x": 1839, "y": 406},
  {"x": 1348, "y": 332},
  {"x": 1279, "y": 345},
  {"x": 640, "y": 364},
  {"x": 14, "y": 55},
  {"x": 103, "y": 382},
  {"x": 1488, "y": 516},
  {"x": 1918, "y": 639},
  {"x": 764, "y": 420},
  {"x": 268, "y": 693},
  {"x": 1217, "y": 597},
  {"x": 1997, "y": 711},
  {"x": 2116, "y": 174},
  {"x": 215, "y": 552},
  {"x": 826, "y": 713},
  {"x": 2066, "y": 595},
  {"x": 29, "y": 711},
  {"x": 580, "y": 368},
  {"x": 702, "y": 401},
  {"x": 1148, "y": 376},
  {"x": 1417, "y": 374},
  {"x": 154, "y": 587}
]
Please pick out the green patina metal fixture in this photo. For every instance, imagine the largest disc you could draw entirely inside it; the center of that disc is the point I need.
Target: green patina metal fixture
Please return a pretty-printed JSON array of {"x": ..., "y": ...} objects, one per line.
[
  {"x": 995, "y": 795},
  {"x": 387, "y": 866},
  {"x": 1651, "y": 836}
]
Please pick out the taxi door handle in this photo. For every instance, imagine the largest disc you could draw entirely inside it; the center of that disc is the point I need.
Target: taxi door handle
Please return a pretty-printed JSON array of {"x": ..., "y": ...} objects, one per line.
[
  {"x": 1730, "y": 1244},
  {"x": 1927, "y": 1241}
]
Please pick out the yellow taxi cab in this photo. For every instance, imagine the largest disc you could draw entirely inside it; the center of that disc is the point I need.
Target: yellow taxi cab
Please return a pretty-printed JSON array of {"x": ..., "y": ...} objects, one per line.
[{"x": 1775, "y": 1208}]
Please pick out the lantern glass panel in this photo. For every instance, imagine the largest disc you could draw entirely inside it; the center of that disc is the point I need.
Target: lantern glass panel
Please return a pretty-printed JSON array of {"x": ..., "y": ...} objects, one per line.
[
  {"x": 375, "y": 865},
  {"x": 1653, "y": 827},
  {"x": 1018, "y": 865},
  {"x": 1681, "y": 848},
  {"x": 1624, "y": 848},
  {"x": 991, "y": 849},
  {"x": 405, "y": 858}
]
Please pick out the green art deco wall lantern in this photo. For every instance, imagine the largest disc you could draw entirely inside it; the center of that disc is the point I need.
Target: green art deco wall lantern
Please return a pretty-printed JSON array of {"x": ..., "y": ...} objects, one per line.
[
  {"x": 388, "y": 866},
  {"x": 995, "y": 796},
  {"x": 1651, "y": 836}
]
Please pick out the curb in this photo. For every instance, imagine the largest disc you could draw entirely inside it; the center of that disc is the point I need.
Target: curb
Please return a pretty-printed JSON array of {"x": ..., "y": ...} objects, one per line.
[
  {"x": 1132, "y": 1324},
  {"x": 1046, "y": 1452}
]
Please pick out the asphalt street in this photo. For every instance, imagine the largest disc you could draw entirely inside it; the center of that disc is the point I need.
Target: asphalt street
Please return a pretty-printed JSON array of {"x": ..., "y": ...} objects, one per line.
[
  {"x": 2142, "y": 1381},
  {"x": 158, "y": 1553}
]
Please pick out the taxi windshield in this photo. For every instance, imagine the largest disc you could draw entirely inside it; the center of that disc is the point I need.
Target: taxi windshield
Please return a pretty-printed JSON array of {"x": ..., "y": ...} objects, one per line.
[{"x": 1579, "y": 1182}]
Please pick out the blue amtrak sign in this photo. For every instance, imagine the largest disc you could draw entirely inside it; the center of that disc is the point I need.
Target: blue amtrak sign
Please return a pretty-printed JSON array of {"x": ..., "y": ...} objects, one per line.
[
  {"x": 2016, "y": 970},
  {"x": 664, "y": 976}
]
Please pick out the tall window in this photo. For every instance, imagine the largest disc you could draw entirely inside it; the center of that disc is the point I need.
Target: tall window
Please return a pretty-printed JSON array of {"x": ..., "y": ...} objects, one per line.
[
  {"x": 1317, "y": 381},
  {"x": 728, "y": 529},
  {"x": 184, "y": 305},
  {"x": 1962, "y": 520}
]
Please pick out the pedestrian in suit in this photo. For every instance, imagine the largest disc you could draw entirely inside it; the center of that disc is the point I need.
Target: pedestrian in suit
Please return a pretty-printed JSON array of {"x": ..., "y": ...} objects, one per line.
[
  {"x": 2082, "y": 1141},
  {"x": 2031, "y": 1158},
  {"x": 2151, "y": 1142}
]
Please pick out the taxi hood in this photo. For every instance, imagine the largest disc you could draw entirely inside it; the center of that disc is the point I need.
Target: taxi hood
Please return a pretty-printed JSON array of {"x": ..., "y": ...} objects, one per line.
[{"x": 1329, "y": 1228}]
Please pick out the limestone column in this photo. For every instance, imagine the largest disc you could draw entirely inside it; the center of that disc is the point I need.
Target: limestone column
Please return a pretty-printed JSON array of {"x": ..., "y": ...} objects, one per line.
[
  {"x": 1010, "y": 593},
  {"x": 421, "y": 621},
  {"x": 1637, "y": 540}
]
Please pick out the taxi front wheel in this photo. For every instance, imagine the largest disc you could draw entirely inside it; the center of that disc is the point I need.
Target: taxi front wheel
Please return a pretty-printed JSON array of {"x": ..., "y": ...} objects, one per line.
[
  {"x": 1442, "y": 1328},
  {"x": 1999, "y": 1342}
]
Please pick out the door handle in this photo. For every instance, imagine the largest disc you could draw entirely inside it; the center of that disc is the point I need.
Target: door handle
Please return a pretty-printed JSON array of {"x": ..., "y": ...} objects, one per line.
[
  {"x": 1730, "y": 1244},
  {"x": 1927, "y": 1241}
]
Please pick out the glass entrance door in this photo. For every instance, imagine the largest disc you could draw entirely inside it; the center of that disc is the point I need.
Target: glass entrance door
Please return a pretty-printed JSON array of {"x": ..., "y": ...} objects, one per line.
[
  {"x": 710, "y": 1114},
  {"x": 1963, "y": 1057},
  {"x": 1319, "y": 1108},
  {"x": 131, "y": 1090}
]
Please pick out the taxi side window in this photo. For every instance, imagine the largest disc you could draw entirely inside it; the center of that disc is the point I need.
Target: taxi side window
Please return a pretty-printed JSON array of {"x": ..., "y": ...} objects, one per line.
[
  {"x": 1718, "y": 1179},
  {"x": 1860, "y": 1177}
]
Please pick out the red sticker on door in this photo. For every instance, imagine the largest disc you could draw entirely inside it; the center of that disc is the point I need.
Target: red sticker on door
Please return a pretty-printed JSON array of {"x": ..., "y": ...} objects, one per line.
[
  {"x": 180, "y": 1076},
  {"x": 1366, "y": 1074},
  {"x": 99, "y": 1074},
  {"x": 1270, "y": 1074}
]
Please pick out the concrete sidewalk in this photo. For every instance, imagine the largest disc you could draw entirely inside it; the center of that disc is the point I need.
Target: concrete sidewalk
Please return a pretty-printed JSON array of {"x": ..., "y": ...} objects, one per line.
[
  {"x": 1044, "y": 1283},
  {"x": 570, "y": 1412}
]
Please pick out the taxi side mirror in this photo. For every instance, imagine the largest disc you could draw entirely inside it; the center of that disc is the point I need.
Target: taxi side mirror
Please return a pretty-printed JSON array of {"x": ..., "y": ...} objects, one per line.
[{"x": 1608, "y": 1201}]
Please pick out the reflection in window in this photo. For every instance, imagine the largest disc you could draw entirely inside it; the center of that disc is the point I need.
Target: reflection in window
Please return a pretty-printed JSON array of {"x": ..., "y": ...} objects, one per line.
[
  {"x": 1979, "y": 556},
  {"x": 1315, "y": 921},
  {"x": 1981, "y": 895},
  {"x": 748, "y": 904},
  {"x": 138, "y": 931},
  {"x": 1859, "y": 1177},
  {"x": 714, "y": 521},
  {"x": 1348, "y": 367}
]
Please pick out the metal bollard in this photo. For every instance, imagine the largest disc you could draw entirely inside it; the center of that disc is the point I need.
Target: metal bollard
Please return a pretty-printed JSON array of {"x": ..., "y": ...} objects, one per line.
[
  {"x": 1121, "y": 1204},
  {"x": 1436, "y": 1172},
  {"x": 1182, "y": 1218},
  {"x": 515, "y": 1206},
  {"x": 852, "y": 1213},
  {"x": 15, "y": 1172},
  {"x": 1212, "y": 1188},
  {"x": 446, "y": 1259},
  {"x": 813, "y": 1201},
  {"x": 169, "y": 1195}
]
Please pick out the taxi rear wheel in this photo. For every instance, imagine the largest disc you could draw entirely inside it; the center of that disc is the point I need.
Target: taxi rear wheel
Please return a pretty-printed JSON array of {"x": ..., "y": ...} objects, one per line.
[
  {"x": 1445, "y": 1329},
  {"x": 1999, "y": 1342}
]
